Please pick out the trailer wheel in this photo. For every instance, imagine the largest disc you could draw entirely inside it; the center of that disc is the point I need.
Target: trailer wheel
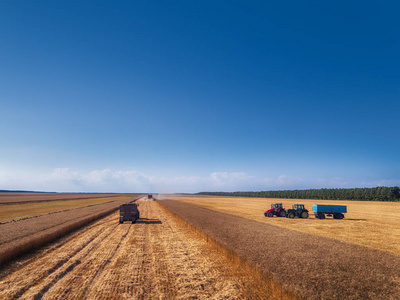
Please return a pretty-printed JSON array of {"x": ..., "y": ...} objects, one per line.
[
  {"x": 304, "y": 215},
  {"x": 338, "y": 216},
  {"x": 291, "y": 215},
  {"x": 321, "y": 216},
  {"x": 270, "y": 214}
]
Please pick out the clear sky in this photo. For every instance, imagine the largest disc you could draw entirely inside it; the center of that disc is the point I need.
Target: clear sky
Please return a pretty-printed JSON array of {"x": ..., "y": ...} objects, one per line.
[{"x": 189, "y": 96}]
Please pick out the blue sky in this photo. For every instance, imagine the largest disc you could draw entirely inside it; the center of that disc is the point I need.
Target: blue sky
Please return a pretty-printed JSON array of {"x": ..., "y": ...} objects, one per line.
[{"x": 185, "y": 96}]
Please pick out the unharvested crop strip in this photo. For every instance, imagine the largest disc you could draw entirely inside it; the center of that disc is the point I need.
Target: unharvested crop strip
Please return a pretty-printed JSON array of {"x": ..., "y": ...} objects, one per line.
[{"x": 260, "y": 285}]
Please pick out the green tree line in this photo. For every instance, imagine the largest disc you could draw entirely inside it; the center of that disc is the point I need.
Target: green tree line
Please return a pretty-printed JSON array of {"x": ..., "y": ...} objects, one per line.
[{"x": 380, "y": 193}]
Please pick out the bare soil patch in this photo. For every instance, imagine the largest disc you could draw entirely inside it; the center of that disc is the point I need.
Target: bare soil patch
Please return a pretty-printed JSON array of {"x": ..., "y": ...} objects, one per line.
[{"x": 311, "y": 266}]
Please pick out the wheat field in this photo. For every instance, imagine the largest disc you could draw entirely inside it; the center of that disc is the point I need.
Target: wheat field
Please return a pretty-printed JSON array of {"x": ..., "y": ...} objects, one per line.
[
  {"x": 159, "y": 257},
  {"x": 371, "y": 224}
]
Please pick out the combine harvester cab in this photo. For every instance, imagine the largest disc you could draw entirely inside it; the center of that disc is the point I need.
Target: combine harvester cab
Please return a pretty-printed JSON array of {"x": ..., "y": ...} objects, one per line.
[
  {"x": 275, "y": 210},
  {"x": 128, "y": 212},
  {"x": 298, "y": 211},
  {"x": 337, "y": 211}
]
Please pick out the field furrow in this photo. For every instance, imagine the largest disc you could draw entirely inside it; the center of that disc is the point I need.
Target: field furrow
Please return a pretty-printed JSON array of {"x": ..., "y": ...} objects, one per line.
[{"x": 47, "y": 269}]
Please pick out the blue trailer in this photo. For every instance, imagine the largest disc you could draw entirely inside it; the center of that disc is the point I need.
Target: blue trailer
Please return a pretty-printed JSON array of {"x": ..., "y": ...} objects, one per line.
[{"x": 337, "y": 211}]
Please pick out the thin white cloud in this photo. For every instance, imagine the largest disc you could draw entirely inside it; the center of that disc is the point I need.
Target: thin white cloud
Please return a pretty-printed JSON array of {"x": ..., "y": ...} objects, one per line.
[{"x": 107, "y": 180}]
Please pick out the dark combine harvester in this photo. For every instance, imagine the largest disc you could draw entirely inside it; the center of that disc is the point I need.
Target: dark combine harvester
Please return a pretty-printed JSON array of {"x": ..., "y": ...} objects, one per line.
[{"x": 128, "y": 212}]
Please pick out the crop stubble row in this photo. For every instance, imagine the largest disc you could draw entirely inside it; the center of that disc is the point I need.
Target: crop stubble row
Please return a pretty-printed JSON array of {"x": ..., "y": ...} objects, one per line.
[
  {"x": 156, "y": 258},
  {"x": 311, "y": 266},
  {"x": 22, "y": 197},
  {"x": 24, "y": 235}
]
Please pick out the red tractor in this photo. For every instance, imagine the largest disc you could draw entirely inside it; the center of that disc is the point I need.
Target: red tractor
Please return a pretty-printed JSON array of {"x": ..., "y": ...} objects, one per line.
[{"x": 275, "y": 210}]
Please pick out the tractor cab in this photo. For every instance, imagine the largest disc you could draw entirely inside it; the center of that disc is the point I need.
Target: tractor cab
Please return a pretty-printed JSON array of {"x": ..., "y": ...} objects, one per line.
[
  {"x": 298, "y": 206},
  {"x": 276, "y": 206},
  {"x": 275, "y": 210}
]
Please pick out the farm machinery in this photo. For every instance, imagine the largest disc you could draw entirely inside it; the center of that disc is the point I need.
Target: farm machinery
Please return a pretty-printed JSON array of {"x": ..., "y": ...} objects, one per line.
[
  {"x": 275, "y": 210},
  {"x": 337, "y": 211},
  {"x": 129, "y": 212},
  {"x": 297, "y": 210}
]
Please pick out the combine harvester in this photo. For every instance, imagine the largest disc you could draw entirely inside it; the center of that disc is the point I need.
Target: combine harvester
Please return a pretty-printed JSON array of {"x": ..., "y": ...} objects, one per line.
[
  {"x": 337, "y": 211},
  {"x": 129, "y": 212}
]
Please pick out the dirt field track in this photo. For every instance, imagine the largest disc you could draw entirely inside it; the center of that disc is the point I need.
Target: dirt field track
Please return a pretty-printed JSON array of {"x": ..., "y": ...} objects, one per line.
[{"x": 157, "y": 258}]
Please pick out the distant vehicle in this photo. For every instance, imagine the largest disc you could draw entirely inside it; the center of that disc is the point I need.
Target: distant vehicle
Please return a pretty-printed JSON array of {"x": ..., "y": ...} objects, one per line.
[
  {"x": 149, "y": 196},
  {"x": 128, "y": 212},
  {"x": 297, "y": 210},
  {"x": 337, "y": 211},
  {"x": 275, "y": 210}
]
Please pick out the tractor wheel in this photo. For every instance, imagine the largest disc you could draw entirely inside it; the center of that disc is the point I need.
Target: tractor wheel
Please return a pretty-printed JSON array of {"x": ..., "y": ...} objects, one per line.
[
  {"x": 282, "y": 213},
  {"x": 270, "y": 214},
  {"x": 291, "y": 215},
  {"x": 304, "y": 215}
]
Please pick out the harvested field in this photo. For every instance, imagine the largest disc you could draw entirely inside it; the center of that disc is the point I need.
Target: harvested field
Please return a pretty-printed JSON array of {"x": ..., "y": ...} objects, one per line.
[
  {"x": 10, "y": 212},
  {"x": 311, "y": 266},
  {"x": 159, "y": 257},
  {"x": 20, "y": 197},
  {"x": 367, "y": 223},
  {"x": 24, "y": 235}
]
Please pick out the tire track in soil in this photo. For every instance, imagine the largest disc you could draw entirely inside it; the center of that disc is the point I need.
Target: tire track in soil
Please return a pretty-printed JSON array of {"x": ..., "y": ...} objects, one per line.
[
  {"x": 93, "y": 264},
  {"x": 53, "y": 263},
  {"x": 48, "y": 249},
  {"x": 131, "y": 272}
]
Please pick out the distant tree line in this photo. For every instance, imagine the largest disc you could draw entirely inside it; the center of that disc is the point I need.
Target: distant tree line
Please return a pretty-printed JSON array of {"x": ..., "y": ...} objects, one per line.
[{"x": 380, "y": 193}]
